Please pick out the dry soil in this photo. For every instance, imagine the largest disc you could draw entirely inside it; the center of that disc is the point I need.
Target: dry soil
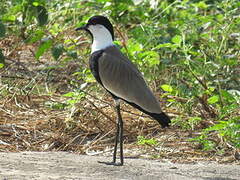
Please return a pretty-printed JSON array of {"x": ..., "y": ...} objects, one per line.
[{"x": 63, "y": 165}]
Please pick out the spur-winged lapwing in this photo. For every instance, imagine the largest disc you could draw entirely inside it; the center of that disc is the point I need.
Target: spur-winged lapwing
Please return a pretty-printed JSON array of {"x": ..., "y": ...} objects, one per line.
[{"x": 120, "y": 77}]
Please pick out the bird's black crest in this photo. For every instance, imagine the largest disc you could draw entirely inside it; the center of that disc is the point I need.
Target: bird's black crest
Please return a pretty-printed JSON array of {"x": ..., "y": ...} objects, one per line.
[{"x": 103, "y": 21}]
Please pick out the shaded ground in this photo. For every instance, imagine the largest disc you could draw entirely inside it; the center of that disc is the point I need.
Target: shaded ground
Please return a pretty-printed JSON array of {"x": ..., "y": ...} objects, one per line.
[{"x": 62, "y": 165}]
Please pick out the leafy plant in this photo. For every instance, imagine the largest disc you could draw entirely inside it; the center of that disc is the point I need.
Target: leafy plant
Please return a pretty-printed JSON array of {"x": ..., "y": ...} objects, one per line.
[
  {"x": 2, "y": 34},
  {"x": 187, "y": 50},
  {"x": 23, "y": 13},
  {"x": 141, "y": 140},
  {"x": 229, "y": 131},
  {"x": 2, "y": 30},
  {"x": 75, "y": 97},
  {"x": 189, "y": 124},
  {"x": 2, "y": 59}
]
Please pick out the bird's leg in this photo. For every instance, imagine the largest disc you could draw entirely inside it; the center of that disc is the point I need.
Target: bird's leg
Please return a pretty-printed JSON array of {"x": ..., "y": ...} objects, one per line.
[
  {"x": 119, "y": 134},
  {"x": 118, "y": 138}
]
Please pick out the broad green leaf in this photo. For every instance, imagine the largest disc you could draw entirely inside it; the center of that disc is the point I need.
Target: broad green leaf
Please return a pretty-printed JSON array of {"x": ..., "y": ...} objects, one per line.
[
  {"x": 55, "y": 29},
  {"x": 144, "y": 141},
  {"x": 220, "y": 17},
  {"x": 213, "y": 99},
  {"x": 35, "y": 3},
  {"x": 57, "y": 51},
  {"x": 9, "y": 18},
  {"x": 177, "y": 39},
  {"x": 151, "y": 57},
  {"x": 69, "y": 94},
  {"x": 202, "y": 5},
  {"x": 153, "y": 61},
  {"x": 43, "y": 48},
  {"x": 171, "y": 100},
  {"x": 2, "y": 30},
  {"x": 219, "y": 126},
  {"x": 42, "y": 15},
  {"x": 211, "y": 89},
  {"x": 134, "y": 47},
  {"x": 167, "y": 88},
  {"x": 228, "y": 96}
]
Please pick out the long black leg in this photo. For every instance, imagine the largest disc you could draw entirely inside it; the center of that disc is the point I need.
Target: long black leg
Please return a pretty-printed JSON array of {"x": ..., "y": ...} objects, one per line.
[
  {"x": 116, "y": 142},
  {"x": 120, "y": 133},
  {"x": 118, "y": 138},
  {"x": 120, "y": 127}
]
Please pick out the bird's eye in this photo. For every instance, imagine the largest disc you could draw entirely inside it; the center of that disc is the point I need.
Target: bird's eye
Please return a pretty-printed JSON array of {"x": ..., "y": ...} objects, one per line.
[{"x": 93, "y": 23}]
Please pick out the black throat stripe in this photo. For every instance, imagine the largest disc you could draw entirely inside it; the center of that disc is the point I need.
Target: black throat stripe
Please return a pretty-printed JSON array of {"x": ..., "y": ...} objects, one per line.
[{"x": 93, "y": 63}]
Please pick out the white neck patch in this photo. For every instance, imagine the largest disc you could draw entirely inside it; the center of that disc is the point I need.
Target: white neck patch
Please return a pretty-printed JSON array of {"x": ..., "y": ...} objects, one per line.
[{"x": 102, "y": 38}]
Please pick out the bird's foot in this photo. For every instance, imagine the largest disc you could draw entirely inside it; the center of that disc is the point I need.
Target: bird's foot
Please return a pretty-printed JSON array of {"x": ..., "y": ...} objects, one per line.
[{"x": 111, "y": 163}]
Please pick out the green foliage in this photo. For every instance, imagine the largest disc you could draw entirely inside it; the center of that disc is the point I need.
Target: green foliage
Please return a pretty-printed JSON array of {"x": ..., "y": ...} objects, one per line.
[
  {"x": 141, "y": 140},
  {"x": 167, "y": 88},
  {"x": 35, "y": 36},
  {"x": 213, "y": 99},
  {"x": 188, "y": 49},
  {"x": 41, "y": 15},
  {"x": 75, "y": 97},
  {"x": 206, "y": 143},
  {"x": 44, "y": 46},
  {"x": 229, "y": 131},
  {"x": 57, "y": 51},
  {"x": 2, "y": 30},
  {"x": 23, "y": 13},
  {"x": 55, "y": 105},
  {"x": 177, "y": 39},
  {"x": 2, "y": 59},
  {"x": 188, "y": 124},
  {"x": 27, "y": 10}
]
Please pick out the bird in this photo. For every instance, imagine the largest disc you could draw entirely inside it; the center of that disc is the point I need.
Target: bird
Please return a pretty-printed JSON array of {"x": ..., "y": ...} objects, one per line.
[{"x": 120, "y": 77}]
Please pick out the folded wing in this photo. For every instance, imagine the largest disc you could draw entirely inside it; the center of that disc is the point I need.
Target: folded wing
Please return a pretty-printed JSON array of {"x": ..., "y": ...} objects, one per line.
[{"x": 121, "y": 77}]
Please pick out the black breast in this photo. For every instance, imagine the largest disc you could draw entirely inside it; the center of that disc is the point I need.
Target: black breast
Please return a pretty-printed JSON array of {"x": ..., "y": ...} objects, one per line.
[{"x": 93, "y": 63}]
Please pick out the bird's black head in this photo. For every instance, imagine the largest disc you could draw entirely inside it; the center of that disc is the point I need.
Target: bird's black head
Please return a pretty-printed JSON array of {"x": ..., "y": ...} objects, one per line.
[{"x": 98, "y": 20}]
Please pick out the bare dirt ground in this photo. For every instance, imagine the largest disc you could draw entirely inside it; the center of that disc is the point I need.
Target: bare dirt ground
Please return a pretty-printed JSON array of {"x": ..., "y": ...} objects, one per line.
[{"x": 63, "y": 165}]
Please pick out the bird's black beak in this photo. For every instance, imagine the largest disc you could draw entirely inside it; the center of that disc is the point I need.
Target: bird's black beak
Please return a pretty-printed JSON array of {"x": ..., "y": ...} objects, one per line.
[{"x": 82, "y": 28}]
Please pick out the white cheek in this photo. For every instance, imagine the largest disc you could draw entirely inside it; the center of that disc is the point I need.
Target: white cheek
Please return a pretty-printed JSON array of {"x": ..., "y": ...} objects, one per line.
[
  {"x": 102, "y": 38},
  {"x": 94, "y": 28},
  {"x": 91, "y": 28}
]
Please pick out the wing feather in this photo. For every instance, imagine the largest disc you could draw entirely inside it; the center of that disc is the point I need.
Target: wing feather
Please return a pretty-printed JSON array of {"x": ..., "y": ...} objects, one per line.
[{"x": 121, "y": 77}]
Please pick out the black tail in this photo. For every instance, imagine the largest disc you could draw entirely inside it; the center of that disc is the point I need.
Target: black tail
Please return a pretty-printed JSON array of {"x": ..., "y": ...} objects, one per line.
[{"x": 161, "y": 118}]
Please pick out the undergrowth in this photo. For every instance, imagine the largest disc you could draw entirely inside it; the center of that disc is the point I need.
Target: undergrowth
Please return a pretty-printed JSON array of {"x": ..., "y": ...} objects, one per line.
[{"x": 187, "y": 50}]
